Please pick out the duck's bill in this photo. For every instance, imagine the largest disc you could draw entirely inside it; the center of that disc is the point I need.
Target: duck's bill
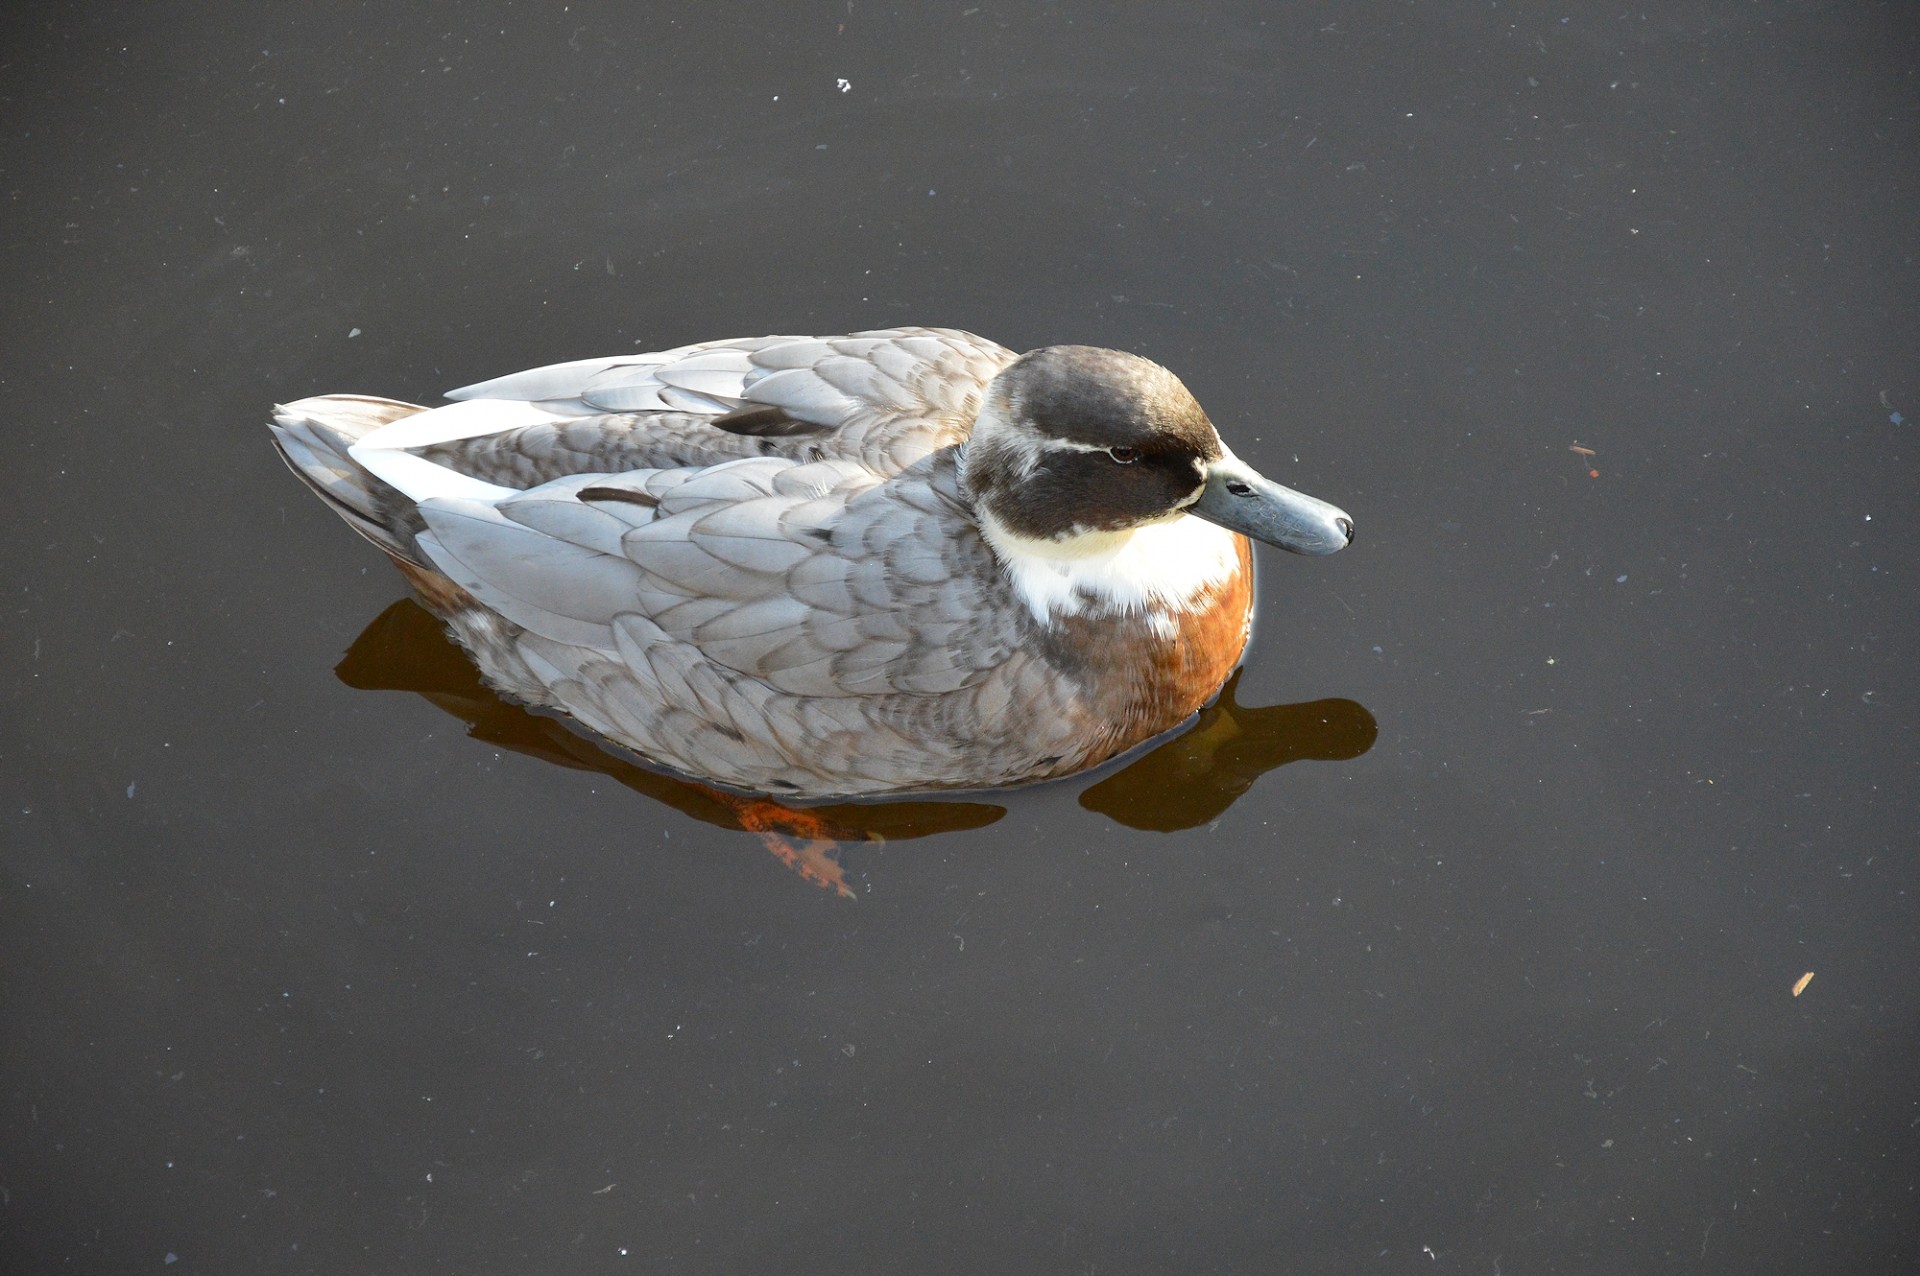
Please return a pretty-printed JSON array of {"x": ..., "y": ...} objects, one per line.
[{"x": 1237, "y": 496}]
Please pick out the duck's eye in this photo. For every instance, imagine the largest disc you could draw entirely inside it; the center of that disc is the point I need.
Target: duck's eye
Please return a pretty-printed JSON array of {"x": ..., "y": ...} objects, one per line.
[{"x": 1124, "y": 455}]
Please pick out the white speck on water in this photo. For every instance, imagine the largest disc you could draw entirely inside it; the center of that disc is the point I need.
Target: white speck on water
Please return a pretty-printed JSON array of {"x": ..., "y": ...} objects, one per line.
[
  {"x": 352, "y": 333},
  {"x": 1619, "y": 580},
  {"x": 131, "y": 788},
  {"x": 845, "y": 84}
]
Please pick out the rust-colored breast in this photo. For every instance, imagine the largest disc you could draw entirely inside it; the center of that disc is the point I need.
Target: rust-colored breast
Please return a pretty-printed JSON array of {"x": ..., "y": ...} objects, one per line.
[{"x": 1138, "y": 682}]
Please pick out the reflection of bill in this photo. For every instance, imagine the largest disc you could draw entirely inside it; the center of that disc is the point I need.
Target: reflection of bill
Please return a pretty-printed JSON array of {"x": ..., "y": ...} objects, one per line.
[{"x": 1181, "y": 783}]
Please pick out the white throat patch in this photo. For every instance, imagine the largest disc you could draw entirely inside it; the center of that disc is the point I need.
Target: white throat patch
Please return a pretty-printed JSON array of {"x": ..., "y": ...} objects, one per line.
[{"x": 1157, "y": 569}]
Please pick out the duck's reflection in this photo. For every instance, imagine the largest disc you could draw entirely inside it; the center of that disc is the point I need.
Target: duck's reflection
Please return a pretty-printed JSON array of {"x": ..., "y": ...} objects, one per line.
[
  {"x": 1190, "y": 779},
  {"x": 1181, "y": 783}
]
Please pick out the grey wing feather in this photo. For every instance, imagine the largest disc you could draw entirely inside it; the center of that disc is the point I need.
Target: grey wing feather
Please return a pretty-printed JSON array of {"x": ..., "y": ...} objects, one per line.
[
  {"x": 805, "y": 393},
  {"x": 572, "y": 520},
  {"x": 575, "y": 380},
  {"x": 520, "y": 568},
  {"x": 556, "y": 382},
  {"x": 719, "y": 374},
  {"x": 883, "y": 399},
  {"x": 733, "y": 570}
]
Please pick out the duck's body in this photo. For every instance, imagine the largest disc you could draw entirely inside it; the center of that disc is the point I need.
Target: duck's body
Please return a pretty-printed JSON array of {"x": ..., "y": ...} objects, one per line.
[{"x": 817, "y": 567}]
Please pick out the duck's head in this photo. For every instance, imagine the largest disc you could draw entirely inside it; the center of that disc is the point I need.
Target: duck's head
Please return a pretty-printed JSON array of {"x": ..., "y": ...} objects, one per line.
[{"x": 1077, "y": 446}]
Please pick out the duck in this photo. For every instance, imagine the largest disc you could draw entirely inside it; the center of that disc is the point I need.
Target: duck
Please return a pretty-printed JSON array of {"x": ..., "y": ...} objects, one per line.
[{"x": 894, "y": 561}]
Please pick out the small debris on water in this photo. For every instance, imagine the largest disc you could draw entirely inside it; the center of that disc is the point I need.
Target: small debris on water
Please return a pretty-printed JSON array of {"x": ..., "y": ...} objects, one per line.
[
  {"x": 1800, "y": 984},
  {"x": 352, "y": 333}
]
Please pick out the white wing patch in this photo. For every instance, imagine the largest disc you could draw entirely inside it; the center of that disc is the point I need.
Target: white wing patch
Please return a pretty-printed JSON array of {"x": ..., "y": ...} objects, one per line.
[
  {"x": 382, "y": 453},
  {"x": 472, "y": 419}
]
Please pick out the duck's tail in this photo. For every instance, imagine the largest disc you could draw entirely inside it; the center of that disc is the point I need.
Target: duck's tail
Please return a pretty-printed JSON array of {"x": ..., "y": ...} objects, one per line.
[{"x": 313, "y": 436}]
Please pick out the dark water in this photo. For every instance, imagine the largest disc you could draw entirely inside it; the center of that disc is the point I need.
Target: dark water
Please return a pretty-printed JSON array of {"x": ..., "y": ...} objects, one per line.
[{"x": 298, "y": 975}]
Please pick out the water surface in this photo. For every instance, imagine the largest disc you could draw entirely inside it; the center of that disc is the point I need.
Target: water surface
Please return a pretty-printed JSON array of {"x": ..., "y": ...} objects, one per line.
[{"x": 299, "y": 974}]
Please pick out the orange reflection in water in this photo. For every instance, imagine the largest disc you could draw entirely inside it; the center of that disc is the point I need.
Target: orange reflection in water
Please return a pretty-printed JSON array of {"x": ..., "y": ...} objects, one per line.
[{"x": 1182, "y": 782}]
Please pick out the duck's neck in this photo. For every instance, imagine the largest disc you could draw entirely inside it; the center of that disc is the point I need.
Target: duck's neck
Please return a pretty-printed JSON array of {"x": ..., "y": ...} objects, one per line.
[{"x": 1161, "y": 571}]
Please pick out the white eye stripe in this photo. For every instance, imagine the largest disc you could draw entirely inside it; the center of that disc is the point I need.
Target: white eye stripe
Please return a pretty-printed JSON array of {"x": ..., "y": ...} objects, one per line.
[{"x": 1109, "y": 449}]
